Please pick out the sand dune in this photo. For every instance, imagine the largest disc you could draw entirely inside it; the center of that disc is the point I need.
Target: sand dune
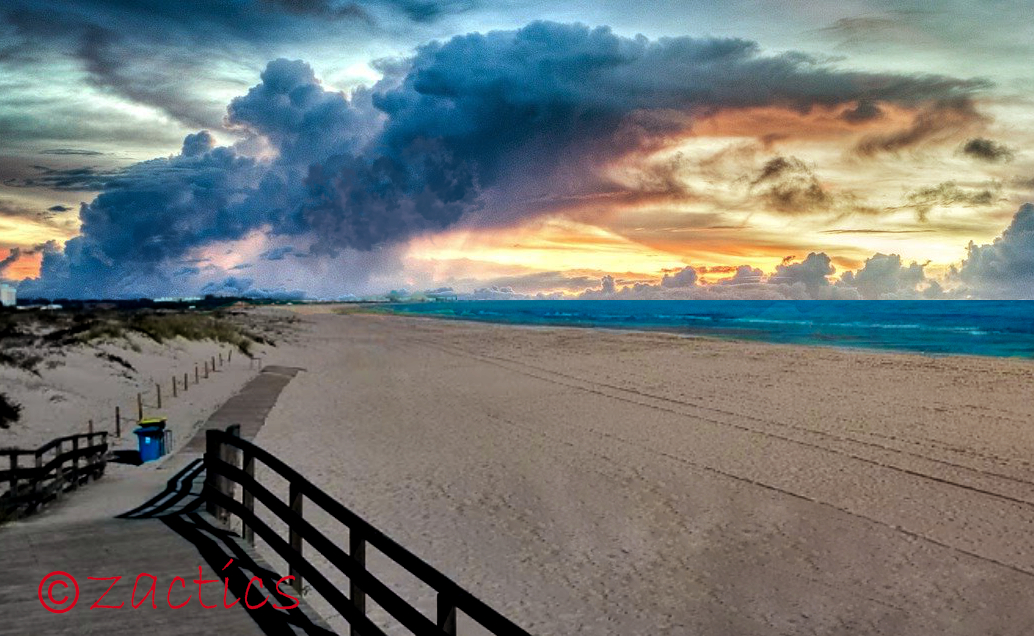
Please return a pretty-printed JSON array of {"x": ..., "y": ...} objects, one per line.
[
  {"x": 73, "y": 383},
  {"x": 630, "y": 483}
]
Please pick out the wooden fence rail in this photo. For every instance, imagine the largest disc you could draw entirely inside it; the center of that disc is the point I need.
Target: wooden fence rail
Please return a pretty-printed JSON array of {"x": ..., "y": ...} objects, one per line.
[
  {"x": 230, "y": 460},
  {"x": 35, "y": 477}
]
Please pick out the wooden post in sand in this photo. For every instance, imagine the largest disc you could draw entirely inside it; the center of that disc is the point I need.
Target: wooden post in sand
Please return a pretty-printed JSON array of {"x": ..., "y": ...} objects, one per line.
[
  {"x": 206, "y": 369},
  {"x": 90, "y": 429},
  {"x": 140, "y": 406},
  {"x": 213, "y": 364},
  {"x": 197, "y": 376},
  {"x": 220, "y": 358},
  {"x": 173, "y": 386},
  {"x": 184, "y": 382},
  {"x": 118, "y": 422},
  {"x": 229, "y": 356},
  {"x": 158, "y": 390}
]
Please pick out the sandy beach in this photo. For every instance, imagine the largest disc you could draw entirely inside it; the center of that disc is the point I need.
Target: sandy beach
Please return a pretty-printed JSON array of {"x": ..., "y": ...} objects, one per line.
[{"x": 586, "y": 481}]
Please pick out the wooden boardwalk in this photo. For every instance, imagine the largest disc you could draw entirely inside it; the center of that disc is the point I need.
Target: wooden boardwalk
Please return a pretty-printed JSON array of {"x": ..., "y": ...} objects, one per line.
[{"x": 147, "y": 520}]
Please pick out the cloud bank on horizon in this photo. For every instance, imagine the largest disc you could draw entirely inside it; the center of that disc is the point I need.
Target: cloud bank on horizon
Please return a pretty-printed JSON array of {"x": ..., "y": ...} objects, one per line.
[{"x": 536, "y": 160}]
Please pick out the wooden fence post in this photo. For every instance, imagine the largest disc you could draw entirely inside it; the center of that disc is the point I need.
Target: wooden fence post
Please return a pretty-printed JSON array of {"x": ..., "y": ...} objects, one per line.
[
  {"x": 213, "y": 364},
  {"x": 38, "y": 482},
  {"x": 229, "y": 356},
  {"x": 357, "y": 549},
  {"x": 197, "y": 377},
  {"x": 158, "y": 389},
  {"x": 220, "y": 358},
  {"x": 295, "y": 499},
  {"x": 90, "y": 429},
  {"x": 101, "y": 455},
  {"x": 206, "y": 369},
  {"x": 248, "y": 464},
  {"x": 173, "y": 386},
  {"x": 184, "y": 382},
  {"x": 75, "y": 459},
  {"x": 13, "y": 457},
  {"x": 59, "y": 473},
  {"x": 118, "y": 423},
  {"x": 212, "y": 449},
  {"x": 229, "y": 455},
  {"x": 139, "y": 406}
]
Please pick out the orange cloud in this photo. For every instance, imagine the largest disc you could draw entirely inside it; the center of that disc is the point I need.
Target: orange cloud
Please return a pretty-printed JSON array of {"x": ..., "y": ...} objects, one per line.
[
  {"x": 27, "y": 266},
  {"x": 773, "y": 123}
]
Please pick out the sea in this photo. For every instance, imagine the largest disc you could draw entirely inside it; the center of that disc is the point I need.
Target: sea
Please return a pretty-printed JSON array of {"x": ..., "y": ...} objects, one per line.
[{"x": 933, "y": 327}]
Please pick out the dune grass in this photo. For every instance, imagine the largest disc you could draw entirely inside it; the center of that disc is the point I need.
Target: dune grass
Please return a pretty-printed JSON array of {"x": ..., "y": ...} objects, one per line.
[
  {"x": 9, "y": 411},
  {"x": 31, "y": 331}
]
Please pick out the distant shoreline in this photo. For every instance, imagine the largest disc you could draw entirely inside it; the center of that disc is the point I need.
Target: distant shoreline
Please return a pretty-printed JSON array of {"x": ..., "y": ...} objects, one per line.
[{"x": 910, "y": 331}]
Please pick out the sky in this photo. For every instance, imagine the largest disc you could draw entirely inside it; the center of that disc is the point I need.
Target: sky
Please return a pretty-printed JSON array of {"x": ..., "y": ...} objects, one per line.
[{"x": 657, "y": 149}]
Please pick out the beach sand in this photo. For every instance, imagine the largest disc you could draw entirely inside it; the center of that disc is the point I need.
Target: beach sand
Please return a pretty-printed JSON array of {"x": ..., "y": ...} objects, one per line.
[{"x": 599, "y": 482}]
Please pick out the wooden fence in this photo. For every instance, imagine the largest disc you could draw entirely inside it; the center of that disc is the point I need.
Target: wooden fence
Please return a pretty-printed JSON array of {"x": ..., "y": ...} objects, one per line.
[
  {"x": 35, "y": 477},
  {"x": 230, "y": 460}
]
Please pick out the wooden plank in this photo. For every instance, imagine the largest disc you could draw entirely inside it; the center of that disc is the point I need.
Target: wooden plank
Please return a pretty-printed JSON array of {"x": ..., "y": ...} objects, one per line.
[
  {"x": 248, "y": 464},
  {"x": 212, "y": 447},
  {"x": 295, "y": 501}
]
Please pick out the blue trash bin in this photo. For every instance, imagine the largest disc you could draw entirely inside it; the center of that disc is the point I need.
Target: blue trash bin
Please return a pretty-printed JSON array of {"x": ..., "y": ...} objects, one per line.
[{"x": 151, "y": 440}]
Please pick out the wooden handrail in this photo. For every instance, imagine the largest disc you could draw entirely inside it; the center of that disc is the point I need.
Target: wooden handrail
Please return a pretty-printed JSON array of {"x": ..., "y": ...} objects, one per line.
[
  {"x": 223, "y": 473},
  {"x": 32, "y": 485}
]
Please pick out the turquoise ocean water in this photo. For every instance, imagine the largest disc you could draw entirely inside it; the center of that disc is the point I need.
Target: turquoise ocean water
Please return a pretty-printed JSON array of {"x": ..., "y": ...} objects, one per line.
[{"x": 967, "y": 327}]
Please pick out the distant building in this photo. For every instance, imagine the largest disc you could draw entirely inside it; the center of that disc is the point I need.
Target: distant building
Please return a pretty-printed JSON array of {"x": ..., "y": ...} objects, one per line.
[
  {"x": 184, "y": 299},
  {"x": 8, "y": 295}
]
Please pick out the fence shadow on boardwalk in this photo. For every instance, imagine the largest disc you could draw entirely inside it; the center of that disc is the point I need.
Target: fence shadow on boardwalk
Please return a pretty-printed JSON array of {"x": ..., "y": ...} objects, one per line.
[
  {"x": 178, "y": 507},
  {"x": 230, "y": 467}
]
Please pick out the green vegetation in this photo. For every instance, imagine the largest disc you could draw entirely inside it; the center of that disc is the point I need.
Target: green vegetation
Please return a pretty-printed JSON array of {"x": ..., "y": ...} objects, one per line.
[
  {"x": 23, "y": 334},
  {"x": 162, "y": 327},
  {"x": 21, "y": 360},
  {"x": 9, "y": 412}
]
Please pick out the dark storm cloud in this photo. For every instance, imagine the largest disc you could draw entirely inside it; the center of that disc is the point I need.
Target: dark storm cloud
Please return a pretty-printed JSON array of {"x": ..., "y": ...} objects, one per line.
[
  {"x": 86, "y": 178},
  {"x": 474, "y": 129},
  {"x": 987, "y": 150},
  {"x": 71, "y": 151},
  {"x": 935, "y": 123},
  {"x": 866, "y": 110},
  {"x": 541, "y": 99},
  {"x": 319, "y": 8},
  {"x": 788, "y": 185},
  {"x": 59, "y": 208},
  {"x": 277, "y": 253},
  {"x": 155, "y": 52},
  {"x": 949, "y": 193},
  {"x": 304, "y": 122},
  {"x": 197, "y": 144}
]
